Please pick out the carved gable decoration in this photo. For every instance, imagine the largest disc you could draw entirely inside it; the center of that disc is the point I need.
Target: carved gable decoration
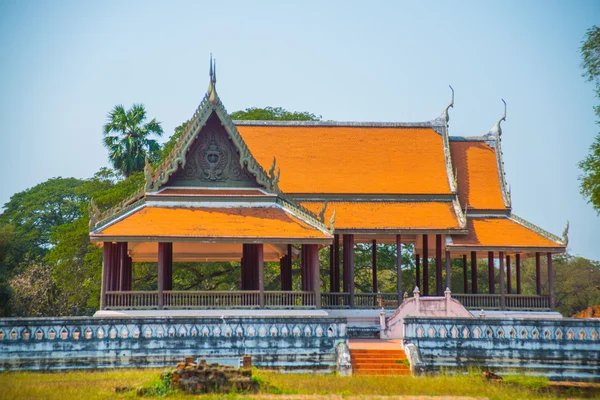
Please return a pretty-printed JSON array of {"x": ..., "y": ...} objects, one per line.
[{"x": 213, "y": 161}]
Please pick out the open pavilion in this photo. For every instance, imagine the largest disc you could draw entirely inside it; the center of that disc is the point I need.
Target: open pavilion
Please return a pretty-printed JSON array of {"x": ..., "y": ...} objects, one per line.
[{"x": 258, "y": 191}]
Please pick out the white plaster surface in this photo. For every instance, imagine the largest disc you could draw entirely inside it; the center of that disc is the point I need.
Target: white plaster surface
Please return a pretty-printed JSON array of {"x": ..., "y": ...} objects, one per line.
[
  {"x": 517, "y": 314},
  {"x": 209, "y": 313}
]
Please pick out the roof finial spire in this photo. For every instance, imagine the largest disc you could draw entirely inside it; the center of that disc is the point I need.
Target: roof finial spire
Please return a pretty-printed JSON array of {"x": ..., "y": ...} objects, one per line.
[
  {"x": 497, "y": 129},
  {"x": 451, "y": 105},
  {"x": 210, "y": 70},
  {"x": 213, "y": 81}
]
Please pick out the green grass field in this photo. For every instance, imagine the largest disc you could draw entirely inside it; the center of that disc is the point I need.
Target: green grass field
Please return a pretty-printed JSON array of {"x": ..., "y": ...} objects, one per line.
[{"x": 102, "y": 385}]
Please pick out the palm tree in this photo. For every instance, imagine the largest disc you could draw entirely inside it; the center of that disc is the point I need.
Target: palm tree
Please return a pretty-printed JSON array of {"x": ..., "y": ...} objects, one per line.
[{"x": 126, "y": 136}]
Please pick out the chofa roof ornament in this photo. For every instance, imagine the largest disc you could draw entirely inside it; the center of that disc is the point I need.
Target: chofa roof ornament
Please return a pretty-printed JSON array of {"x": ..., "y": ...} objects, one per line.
[
  {"x": 446, "y": 114},
  {"x": 497, "y": 129},
  {"x": 212, "y": 86}
]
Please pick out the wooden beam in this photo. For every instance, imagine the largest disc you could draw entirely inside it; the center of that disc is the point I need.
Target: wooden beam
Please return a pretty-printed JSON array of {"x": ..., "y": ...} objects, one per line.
[
  {"x": 474, "y": 272},
  {"x": 501, "y": 278},
  {"x": 491, "y": 272},
  {"x": 399, "y": 268},
  {"x": 438, "y": 265},
  {"x": 425, "y": 266}
]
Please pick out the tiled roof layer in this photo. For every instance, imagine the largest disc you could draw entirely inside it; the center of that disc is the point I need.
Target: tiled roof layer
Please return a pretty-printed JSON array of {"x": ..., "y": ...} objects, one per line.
[
  {"x": 389, "y": 215},
  {"x": 477, "y": 175},
  {"x": 352, "y": 160},
  {"x": 264, "y": 222},
  {"x": 501, "y": 232}
]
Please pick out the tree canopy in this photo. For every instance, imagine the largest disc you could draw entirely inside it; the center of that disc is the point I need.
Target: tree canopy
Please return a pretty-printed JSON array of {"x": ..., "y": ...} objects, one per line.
[
  {"x": 127, "y": 138},
  {"x": 273, "y": 114},
  {"x": 590, "y": 166}
]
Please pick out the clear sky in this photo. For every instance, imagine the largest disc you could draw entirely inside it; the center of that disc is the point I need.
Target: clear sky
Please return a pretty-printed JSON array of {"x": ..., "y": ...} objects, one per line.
[{"x": 64, "y": 65}]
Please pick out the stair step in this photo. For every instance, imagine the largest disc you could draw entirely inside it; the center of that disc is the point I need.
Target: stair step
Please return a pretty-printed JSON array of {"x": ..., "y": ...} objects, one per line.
[
  {"x": 382, "y": 372},
  {"x": 378, "y": 357},
  {"x": 379, "y": 367}
]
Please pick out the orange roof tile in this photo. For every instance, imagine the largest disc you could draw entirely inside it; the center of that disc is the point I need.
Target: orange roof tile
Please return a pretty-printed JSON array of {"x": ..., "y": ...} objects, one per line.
[
  {"x": 323, "y": 159},
  {"x": 243, "y": 222},
  {"x": 500, "y": 232},
  {"x": 388, "y": 215},
  {"x": 477, "y": 175}
]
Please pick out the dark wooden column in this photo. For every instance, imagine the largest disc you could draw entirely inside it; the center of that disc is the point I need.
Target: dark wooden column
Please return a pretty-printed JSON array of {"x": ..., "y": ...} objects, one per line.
[
  {"x": 304, "y": 268},
  {"x": 312, "y": 252},
  {"x": 260, "y": 266},
  {"x": 448, "y": 271},
  {"x": 165, "y": 258},
  {"x": 425, "y": 265},
  {"x": 106, "y": 267},
  {"x": 538, "y": 274},
  {"x": 465, "y": 275},
  {"x": 518, "y": 271},
  {"x": 491, "y": 272},
  {"x": 282, "y": 278},
  {"x": 130, "y": 274},
  {"x": 287, "y": 284},
  {"x": 336, "y": 263},
  {"x": 551, "y": 281},
  {"x": 501, "y": 278},
  {"x": 474, "y": 272},
  {"x": 508, "y": 276},
  {"x": 349, "y": 267},
  {"x": 114, "y": 271},
  {"x": 399, "y": 268},
  {"x": 418, "y": 271},
  {"x": 439, "y": 290},
  {"x": 374, "y": 263},
  {"x": 331, "y": 267},
  {"x": 123, "y": 272}
]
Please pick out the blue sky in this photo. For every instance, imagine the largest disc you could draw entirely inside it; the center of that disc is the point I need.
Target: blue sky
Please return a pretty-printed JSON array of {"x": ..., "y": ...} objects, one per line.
[{"x": 66, "y": 64}]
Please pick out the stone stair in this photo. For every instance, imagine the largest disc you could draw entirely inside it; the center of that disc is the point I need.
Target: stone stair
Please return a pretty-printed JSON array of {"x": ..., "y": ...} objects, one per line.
[{"x": 379, "y": 362}]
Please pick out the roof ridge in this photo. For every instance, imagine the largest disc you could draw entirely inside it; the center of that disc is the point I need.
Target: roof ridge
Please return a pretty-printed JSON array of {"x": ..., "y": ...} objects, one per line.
[{"x": 434, "y": 123}]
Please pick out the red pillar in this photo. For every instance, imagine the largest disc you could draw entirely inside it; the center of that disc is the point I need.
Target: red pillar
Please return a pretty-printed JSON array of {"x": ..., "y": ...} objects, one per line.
[
  {"x": 465, "y": 275},
  {"x": 474, "y": 272},
  {"x": 501, "y": 278},
  {"x": 374, "y": 265},
  {"x": 312, "y": 252},
  {"x": 518, "y": 270},
  {"x": 448, "y": 272},
  {"x": 260, "y": 266},
  {"x": 165, "y": 258},
  {"x": 123, "y": 271},
  {"x": 418, "y": 271},
  {"x": 106, "y": 269},
  {"x": 438, "y": 266},
  {"x": 336, "y": 263},
  {"x": 399, "y": 268},
  {"x": 349, "y": 267},
  {"x": 425, "y": 265},
  {"x": 538, "y": 274},
  {"x": 491, "y": 272}
]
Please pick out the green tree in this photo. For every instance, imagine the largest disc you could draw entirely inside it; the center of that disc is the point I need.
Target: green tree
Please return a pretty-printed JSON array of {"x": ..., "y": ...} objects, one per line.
[
  {"x": 590, "y": 166},
  {"x": 273, "y": 114},
  {"x": 127, "y": 138}
]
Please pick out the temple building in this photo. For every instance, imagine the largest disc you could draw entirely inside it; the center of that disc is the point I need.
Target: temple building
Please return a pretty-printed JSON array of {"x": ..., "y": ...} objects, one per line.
[{"x": 252, "y": 192}]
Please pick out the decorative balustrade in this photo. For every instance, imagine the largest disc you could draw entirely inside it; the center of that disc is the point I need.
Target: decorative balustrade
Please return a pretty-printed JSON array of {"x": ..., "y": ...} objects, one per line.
[
  {"x": 513, "y": 301},
  {"x": 375, "y": 300},
  {"x": 493, "y": 328},
  {"x": 335, "y": 300},
  {"x": 131, "y": 300},
  {"x": 289, "y": 299},
  {"x": 213, "y": 299}
]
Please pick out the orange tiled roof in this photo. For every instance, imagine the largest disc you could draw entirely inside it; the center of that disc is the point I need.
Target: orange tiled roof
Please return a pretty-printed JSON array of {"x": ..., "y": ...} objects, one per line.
[
  {"x": 501, "y": 232},
  {"x": 477, "y": 175},
  {"x": 205, "y": 222},
  {"x": 388, "y": 215},
  {"x": 338, "y": 159}
]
